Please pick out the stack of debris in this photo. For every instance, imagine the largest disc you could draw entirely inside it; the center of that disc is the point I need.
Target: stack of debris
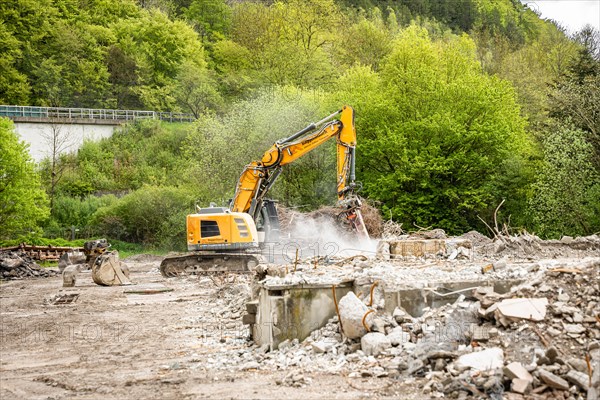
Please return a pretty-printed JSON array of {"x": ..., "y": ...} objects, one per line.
[
  {"x": 486, "y": 344},
  {"x": 17, "y": 264}
]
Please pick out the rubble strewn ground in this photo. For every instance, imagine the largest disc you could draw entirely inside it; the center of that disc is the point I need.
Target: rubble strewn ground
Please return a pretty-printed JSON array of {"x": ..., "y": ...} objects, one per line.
[{"x": 538, "y": 340}]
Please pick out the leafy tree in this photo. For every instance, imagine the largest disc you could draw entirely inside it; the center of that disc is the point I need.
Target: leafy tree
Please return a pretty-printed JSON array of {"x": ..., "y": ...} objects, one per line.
[
  {"x": 196, "y": 90},
  {"x": 23, "y": 203},
  {"x": 14, "y": 87},
  {"x": 366, "y": 43},
  {"x": 234, "y": 68},
  {"x": 435, "y": 134},
  {"x": 212, "y": 18},
  {"x": 159, "y": 48},
  {"x": 288, "y": 41},
  {"x": 567, "y": 190},
  {"x": 588, "y": 60}
]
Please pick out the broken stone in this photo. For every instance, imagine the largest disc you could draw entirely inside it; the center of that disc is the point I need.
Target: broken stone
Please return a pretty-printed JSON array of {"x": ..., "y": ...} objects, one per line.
[
  {"x": 515, "y": 370},
  {"x": 491, "y": 358},
  {"x": 551, "y": 354},
  {"x": 352, "y": 311},
  {"x": 567, "y": 239},
  {"x": 577, "y": 364},
  {"x": 489, "y": 299},
  {"x": 522, "y": 386},
  {"x": 544, "y": 288},
  {"x": 579, "y": 379},
  {"x": 523, "y": 308},
  {"x": 479, "y": 333},
  {"x": 415, "y": 367},
  {"x": 374, "y": 343},
  {"x": 397, "y": 336},
  {"x": 70, "y": 275},
  {"x": 552, "y": 380},
  {"x": 383, "y": 250},
  {"x": 499, "y": 265},
  {"x": 377, "y": 324},
  {"x": 563, "y": 297},
  {"x": 440, "y": 364},
  {"x": 399, "y": 315},
  {"x": 574, "y": 328},
  {"x": 322, "y": 346}
]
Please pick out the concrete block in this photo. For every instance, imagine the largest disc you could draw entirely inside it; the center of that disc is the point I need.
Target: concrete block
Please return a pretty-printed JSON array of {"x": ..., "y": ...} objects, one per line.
[
  {"x": 374, "y": 343},
  {"x": 515, "y": 370},
  {"x": 491, "y": 358},
  {"x": 417, "y": 248},
  {"x": 322, "y": 346},
  {"x": 553, "y": 381},
  {"x": 579, "y": 379},
  {"x": 522, "y": 386},
  {"x": 523, "y": 308},
  {"x": 352, "y": 311}
]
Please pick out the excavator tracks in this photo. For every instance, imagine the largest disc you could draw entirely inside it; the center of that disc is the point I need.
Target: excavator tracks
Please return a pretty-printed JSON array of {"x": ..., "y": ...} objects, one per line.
[{"x": 208, "y": 264}]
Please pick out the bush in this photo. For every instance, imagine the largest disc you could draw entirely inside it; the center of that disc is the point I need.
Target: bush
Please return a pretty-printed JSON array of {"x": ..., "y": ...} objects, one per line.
[{"x": 153, "y": 216}]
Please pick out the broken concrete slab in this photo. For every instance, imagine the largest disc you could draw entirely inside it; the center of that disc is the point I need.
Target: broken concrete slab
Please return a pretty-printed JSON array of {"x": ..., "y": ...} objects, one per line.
[
  {"x": 579, "y": 379},
  {"x": 397, "y": 336},
  {"x": 352, "y": 311},
  {"x": 484, "y": 360},
  {"x": 553, "y": 381},
  {"x": 374, "y": 343},
  {"x": 574, "y": 328},
  {"x": 322, "y": 346},
  {"x": 522, "y": 386},
  {"x": 515, "y": 370},
  {"x": 522, "y": 308}
]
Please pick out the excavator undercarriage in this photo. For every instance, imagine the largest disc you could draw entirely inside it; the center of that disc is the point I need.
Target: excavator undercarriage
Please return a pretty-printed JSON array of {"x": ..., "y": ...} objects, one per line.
[{"x": 206, "y": 263}]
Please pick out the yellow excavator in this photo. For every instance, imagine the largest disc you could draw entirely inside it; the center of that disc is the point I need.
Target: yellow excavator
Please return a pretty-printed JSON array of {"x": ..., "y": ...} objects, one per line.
[{"x": 221, "y": 239}]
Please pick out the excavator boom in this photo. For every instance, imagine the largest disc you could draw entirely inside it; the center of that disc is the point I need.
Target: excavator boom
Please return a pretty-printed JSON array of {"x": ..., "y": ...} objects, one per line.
[{"x": 259, "y": 176}]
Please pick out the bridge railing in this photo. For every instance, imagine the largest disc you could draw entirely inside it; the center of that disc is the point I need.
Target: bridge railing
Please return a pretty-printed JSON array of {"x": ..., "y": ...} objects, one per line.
[{"x": 90, "y": 113}]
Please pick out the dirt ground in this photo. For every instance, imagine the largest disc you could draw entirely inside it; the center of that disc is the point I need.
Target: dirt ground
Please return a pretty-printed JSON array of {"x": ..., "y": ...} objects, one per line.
[{"x": 109, "y": 344}]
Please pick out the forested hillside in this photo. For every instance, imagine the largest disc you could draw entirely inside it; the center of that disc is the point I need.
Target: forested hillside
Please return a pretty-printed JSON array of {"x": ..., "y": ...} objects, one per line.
[{"x": 459, "y": 106}]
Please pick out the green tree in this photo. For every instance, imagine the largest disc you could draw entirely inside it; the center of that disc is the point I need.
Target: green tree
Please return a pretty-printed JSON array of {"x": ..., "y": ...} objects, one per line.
[
  {"x": 159, "y": 48},
  {"x": 196, "y": 90},
  {"x": 212, "y": 18},
  {"x": 289, "y": 40},
  {"x": 14, "y": 87},
  {"x": 366, "y": 43},
  {"x": 23, "y": 204},
  {"x": 435, "y": 133},
  {"x": 566, "y": 193}
]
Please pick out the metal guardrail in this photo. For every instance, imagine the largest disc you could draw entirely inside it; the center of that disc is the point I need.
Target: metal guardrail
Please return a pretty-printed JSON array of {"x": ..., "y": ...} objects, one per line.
[{"x": 90, "y": 113}]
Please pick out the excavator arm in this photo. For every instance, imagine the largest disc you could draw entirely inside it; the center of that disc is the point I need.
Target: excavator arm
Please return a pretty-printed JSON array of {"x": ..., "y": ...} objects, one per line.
[{"x": 259, "y": 176}]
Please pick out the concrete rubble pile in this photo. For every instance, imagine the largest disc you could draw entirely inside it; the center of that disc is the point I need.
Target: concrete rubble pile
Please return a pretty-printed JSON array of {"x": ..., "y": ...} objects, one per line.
[
  {"x": 538, "y": 338},
  {"x": 18, "y": 264}
]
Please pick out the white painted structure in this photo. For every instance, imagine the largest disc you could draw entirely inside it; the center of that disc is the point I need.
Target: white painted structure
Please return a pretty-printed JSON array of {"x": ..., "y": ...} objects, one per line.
[
  {"x": 50, "y": 130},
  {"x": 40, "y": 136}
]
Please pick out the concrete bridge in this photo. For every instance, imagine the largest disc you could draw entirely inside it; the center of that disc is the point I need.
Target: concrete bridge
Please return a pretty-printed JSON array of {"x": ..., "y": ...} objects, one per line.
[{"x": 65, "y": 129}]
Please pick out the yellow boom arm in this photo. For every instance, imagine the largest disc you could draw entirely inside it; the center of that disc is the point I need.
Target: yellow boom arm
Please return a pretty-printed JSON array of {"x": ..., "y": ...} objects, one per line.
[{"x": 259, "y": 176}]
